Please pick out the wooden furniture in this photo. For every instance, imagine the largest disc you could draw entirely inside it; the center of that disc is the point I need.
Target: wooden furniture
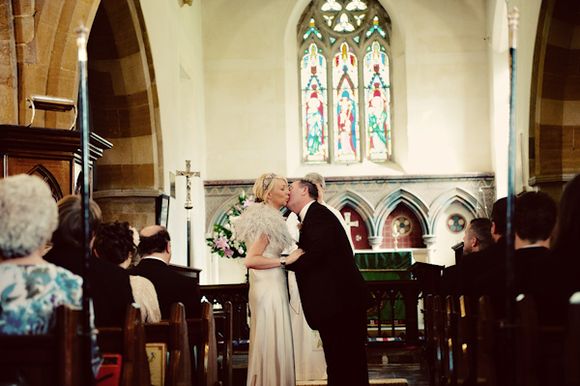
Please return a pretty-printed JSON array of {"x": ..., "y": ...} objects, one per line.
[
  {"x": 51, "y": 154},
  {"x": 129, "y": 341},
  {"x": 187, "y": 271},
  {"x": 174, "y": 334},
  {"x": 45, "y": 360},
  {"x": 202, "y": 337},
  {"x": 224, "y": 331}
]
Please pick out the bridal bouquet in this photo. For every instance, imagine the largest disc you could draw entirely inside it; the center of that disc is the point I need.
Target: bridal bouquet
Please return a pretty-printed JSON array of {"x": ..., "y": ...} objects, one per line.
[{"x": 222, "y": 241}]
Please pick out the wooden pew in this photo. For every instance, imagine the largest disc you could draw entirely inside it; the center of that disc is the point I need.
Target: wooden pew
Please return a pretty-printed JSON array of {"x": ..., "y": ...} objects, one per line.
[
  {"x": 202, "y": 337},
  {"x": 486, "y": 337},
  {"x": 466, "y": 340},
  {"x": 572, "y": 345},
  {"x": 129, "y": 341},
  {"x": 40, "y": 360},
  {"x": 450, "y": 341},
  {"x": 540, "y": 348},
  {"x": 224, "y": 336},
  {"x": 174, "y": 333}
]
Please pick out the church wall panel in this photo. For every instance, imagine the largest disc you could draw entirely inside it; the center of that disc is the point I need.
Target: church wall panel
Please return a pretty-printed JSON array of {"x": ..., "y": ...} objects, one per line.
[
  {"x": 60, "y": 169},
  {"x": 372, "y": 192}
]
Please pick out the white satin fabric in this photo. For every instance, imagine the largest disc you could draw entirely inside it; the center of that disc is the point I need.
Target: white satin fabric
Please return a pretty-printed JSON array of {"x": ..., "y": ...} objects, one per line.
[
  {"x": 271, "y": 355},
  {"x": 308, "y": 353}
]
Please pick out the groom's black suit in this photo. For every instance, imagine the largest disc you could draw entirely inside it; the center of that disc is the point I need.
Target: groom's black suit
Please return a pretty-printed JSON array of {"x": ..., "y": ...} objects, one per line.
[{"x": 334, "y": 295}]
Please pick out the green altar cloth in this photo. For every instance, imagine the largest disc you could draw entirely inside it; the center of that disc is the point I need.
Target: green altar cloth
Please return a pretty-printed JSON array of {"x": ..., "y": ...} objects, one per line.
[{"x": 386, "y": 265}]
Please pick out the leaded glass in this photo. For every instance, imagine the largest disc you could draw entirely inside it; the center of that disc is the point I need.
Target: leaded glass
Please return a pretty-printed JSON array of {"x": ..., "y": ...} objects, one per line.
[
  {"x": 345, "y": 88},
  {"x": 377, "y": 101},
  {"x": 348, "y": 40},
  {"x": 314, "y": 106}
]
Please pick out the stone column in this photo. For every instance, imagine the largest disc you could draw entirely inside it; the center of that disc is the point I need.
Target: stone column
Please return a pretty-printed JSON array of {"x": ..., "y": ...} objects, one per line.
[
  {"x": 375, "y": 242},
  {"x": 429, "y": 241}
]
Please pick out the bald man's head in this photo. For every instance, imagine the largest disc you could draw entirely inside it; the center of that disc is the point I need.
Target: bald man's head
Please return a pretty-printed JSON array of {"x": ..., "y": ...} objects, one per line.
[
  {"x": 151, "y": 230},
  {"x": 155, "y": 240}
]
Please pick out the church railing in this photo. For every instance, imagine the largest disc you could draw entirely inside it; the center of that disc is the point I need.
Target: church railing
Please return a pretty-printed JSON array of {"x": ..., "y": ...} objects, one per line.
[
  {"x": 238, "y": 295},
  {"x": 381, "y": 316}
]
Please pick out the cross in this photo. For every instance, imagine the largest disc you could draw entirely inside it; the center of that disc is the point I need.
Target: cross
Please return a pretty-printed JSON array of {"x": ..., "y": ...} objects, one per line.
[
  {"x": 188, "y": 204},
  {"x": 349, "y": 224},
  {"x": 188, "y": 174}
]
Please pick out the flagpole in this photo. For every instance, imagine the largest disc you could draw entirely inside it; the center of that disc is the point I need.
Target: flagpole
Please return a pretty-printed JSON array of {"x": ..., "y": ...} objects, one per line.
[
  {"x": 83, "y": 126},
  {"x": 513, "y": 20}
]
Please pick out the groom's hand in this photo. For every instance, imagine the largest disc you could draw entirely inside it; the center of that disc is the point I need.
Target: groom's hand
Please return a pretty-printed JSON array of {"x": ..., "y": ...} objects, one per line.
[{"x": 295, "y": 255}]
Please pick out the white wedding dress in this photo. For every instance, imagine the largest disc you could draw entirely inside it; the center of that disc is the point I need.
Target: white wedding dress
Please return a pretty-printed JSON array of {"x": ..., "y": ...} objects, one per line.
[
  {"x": 308, "y": 352},
  {"x": 271, "y": 354}
]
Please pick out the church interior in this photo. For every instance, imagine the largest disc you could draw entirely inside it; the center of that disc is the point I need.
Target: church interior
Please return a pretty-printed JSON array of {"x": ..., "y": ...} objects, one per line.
[{"x": 415, "y": 112}]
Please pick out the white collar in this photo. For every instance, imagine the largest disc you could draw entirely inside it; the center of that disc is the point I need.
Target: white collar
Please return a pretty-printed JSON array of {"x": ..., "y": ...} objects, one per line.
[
  {"x": 154, "y": 258},
  {"x": 302, "y": 213}
]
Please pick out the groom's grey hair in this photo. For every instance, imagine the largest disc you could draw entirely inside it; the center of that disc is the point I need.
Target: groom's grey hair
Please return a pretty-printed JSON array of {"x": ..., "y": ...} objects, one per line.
[
  {"x": 316, "y": 179},
  {"x": 312, "y": 188}
]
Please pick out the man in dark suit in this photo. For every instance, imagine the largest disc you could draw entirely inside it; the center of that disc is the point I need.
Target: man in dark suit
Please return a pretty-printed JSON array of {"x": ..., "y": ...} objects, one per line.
[
  {"x": 477, "y": 238},
  {"x": 334, "y": 295},
  {"x": 477, "y": 270},
  {"x": 171, "y": 286}
]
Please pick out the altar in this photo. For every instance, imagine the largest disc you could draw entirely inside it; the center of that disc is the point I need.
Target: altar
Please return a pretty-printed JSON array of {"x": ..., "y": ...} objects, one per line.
[{"x": 386, "y": 265}]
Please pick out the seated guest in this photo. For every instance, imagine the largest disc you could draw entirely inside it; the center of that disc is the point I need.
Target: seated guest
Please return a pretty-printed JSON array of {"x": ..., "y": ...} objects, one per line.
[
  {"x": 476, "y": 268},
  {"x": 110, "y": 288},
  {"x": 114, "y": 243},
  {"x": 171, "y": 286},
  {"x": 534, "y": 221},
  {"x": 477, "y": 238},
  {"x": 30, "y": 288},
  {"x": 559, "y": 273}
]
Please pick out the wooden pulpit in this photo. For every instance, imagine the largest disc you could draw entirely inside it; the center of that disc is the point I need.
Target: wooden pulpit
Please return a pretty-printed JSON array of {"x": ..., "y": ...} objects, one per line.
[{"x": 52, "y": 154}]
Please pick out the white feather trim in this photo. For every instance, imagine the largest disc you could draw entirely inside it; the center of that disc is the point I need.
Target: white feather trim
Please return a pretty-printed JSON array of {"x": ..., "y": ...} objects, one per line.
[{"x": 260, "y": 219}]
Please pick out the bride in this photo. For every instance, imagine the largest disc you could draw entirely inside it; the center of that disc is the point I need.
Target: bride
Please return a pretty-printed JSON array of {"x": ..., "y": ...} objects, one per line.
[{"x": 262, "y": 227}]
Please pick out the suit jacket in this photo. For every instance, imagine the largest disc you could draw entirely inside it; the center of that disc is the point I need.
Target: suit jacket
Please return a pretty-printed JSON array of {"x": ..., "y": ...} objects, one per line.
[
  {"x": 171, "y": 287},
  {"x": 110, "y": 286},
  {"x": 328, "y": 280}
]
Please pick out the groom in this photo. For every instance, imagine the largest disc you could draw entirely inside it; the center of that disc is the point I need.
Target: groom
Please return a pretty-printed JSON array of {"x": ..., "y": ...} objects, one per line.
[{"x": 333, "y": 292}]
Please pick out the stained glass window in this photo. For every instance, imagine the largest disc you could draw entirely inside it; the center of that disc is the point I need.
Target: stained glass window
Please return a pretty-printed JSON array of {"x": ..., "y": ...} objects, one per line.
[{"x": 345, "y": 81}]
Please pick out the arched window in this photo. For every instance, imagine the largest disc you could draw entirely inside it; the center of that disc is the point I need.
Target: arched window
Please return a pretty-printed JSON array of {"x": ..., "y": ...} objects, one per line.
[{"x": 345, "y": 81}]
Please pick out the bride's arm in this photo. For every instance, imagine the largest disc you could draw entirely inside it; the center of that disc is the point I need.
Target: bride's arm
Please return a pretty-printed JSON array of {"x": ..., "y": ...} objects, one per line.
[{"x": 254, "y": 258}]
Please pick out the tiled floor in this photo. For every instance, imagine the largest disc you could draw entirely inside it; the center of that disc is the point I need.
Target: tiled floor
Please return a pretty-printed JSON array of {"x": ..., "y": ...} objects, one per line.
[{"x": 383, "y": 363}]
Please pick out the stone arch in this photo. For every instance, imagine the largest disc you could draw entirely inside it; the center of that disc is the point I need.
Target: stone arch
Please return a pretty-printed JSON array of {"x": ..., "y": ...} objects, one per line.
[
  {"x": 358, "y": 203},
  {"x": 219, "y": 216},
  {"x": 123, "y": 98},
  {"x": 414, "y": 203},
  {"x": 124, "y": 109},
  {"x": 49, "y": 178},
  {"x": 553, "y": 128},
  {"x": 456, "y": 195},
  {"x": 44, "y": 62}
]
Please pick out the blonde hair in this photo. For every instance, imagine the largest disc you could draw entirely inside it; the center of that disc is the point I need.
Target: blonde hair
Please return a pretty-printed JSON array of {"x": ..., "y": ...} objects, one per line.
[{"x": 264, "y": 185}]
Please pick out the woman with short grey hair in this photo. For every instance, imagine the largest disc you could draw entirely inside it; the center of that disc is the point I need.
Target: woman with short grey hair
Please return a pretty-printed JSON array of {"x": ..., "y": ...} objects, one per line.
[{"x": 30, "y": 288}]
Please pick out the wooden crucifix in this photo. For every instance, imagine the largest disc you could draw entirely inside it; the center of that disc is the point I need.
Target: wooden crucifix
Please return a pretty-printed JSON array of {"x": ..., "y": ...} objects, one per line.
[{"x": 188, "y": 174}]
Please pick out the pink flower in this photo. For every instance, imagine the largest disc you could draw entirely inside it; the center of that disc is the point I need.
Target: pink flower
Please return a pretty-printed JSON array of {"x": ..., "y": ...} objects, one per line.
[
  {"x": 228, "y": 252},
  {"x": 221, "y": 243}
]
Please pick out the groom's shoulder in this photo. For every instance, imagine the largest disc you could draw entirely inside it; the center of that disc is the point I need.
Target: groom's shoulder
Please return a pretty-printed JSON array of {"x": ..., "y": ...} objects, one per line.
[{"x": 320, "y": 210}]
